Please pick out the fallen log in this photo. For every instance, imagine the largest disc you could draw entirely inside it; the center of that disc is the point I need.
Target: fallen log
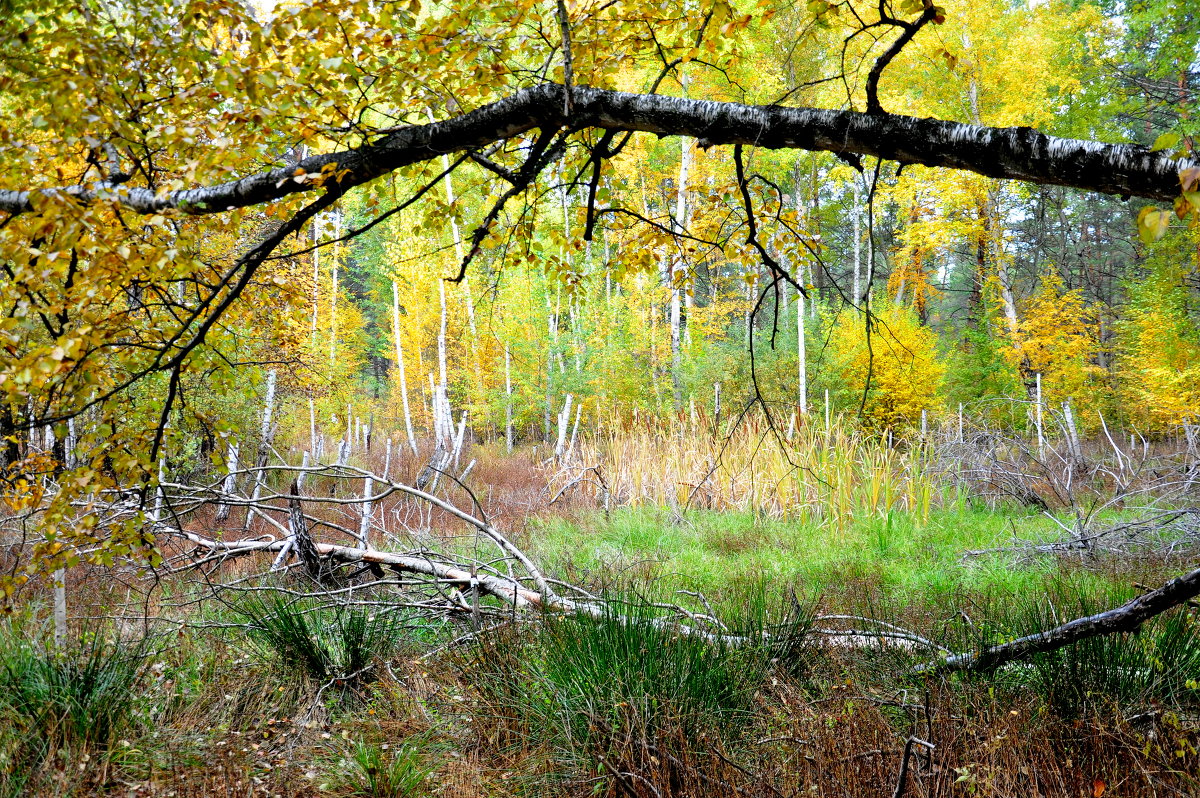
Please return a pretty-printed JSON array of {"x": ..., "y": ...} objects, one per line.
[
  {"x": 1123, "y": 619},
  {"x": 1128, "y": 617}
]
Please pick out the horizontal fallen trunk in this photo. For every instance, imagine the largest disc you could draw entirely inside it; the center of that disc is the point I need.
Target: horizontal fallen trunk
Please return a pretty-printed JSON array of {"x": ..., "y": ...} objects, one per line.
[
  {"x": 1011, "y": 153},
  {"x": 506, "y": 590}
]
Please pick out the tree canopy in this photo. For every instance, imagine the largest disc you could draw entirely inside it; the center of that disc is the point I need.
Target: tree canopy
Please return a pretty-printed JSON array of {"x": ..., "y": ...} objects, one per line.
[{"x": 169, "y": 171}]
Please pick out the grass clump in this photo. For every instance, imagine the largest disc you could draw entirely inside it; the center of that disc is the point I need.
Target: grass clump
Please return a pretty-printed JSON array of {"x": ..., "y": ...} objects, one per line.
[
  {"x": 592, "y": 666},
  {"x": 376, "y": 770},
  {"x": 71, "y": 703},
  {"x": 318, "y": 640},
  {"x": 611, "y": 695}
]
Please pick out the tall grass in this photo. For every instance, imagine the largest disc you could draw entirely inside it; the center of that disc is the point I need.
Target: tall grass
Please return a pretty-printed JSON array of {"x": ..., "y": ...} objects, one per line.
[
  {"x": 632, "y": 666},
  {"x": 75, "y": 701},
  {"x": 816, "y": 475}
]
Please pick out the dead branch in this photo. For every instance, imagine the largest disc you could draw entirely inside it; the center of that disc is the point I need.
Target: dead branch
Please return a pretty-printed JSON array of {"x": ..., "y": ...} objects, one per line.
[{"x": 1127, "y": 618}]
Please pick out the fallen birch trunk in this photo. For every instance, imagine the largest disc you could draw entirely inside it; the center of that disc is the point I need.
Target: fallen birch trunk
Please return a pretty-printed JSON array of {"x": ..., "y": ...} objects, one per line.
[{"x": 514, "y": 591}]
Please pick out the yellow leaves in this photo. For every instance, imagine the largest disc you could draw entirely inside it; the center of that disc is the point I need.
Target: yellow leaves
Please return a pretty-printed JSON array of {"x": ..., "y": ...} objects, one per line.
[
  {"x": 1159, "y": 360},
  {"x": 1058, "y": 338},
  {"x": 1189, "y": 179},
  {"x": 1152, "y": 224},
  {"x": 1167, "y": 141},
  {"x": 895, "y": 364}
]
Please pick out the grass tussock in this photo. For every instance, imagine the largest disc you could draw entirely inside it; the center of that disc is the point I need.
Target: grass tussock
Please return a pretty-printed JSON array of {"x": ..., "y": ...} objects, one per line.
[
  {"x": 327, "y": 642},
  {"x": 60, "y": 708},
  {"x": 378, "y": 770}
]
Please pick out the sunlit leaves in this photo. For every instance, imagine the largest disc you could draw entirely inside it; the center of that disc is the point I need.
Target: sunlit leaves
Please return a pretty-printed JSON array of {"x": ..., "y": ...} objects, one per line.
[
  {"x": 1160, "y": 350},
  {"x": 888, "y": 363},
  {"x": 1057, "y": 338},
  {"x": 1152, "y": 223}
]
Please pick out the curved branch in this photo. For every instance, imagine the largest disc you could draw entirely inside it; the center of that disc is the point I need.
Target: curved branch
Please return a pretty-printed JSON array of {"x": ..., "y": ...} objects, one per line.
[
  {"x": 910, "y": 31},
  {"x": 1009, "y": 153}
]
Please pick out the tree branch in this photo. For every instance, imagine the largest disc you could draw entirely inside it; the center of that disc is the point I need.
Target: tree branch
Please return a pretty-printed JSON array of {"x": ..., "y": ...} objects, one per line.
[
  {"x": 1009, "y": 153},
  {"x": 1126, "y": 618}
]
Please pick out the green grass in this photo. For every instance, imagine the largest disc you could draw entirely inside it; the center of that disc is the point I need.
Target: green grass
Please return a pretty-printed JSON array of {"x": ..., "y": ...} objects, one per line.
[
  {"x": 589, "y": 690},
  {"x": 322, "y": 641},
  {"x": 74, "y": 701},
  {"x": 710, "y": 551}
]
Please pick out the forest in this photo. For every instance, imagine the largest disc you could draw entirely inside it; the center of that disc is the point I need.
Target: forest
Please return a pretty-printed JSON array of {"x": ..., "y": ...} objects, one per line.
[{"x": 625, "y": 398}]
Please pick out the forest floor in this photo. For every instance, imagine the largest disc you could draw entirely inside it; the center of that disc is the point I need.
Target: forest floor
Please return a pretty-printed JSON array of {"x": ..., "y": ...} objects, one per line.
[{"x": 266, "y": 692}]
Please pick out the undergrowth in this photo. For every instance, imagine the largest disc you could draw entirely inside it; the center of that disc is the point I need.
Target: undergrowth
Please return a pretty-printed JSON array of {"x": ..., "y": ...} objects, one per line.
[{"x": 61, "y": 706}]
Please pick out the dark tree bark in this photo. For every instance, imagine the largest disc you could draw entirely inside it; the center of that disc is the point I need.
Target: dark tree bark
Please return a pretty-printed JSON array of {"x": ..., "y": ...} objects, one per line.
[
  {"x": 1009, "y": 153},
  {"x": 1127, "y": 618}
]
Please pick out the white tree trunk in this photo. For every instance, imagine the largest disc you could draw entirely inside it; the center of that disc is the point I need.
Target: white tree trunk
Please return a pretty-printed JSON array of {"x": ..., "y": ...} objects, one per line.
[
  {"x": 802, "y": 353},
  {"x": 364, "y": 526},
  {"x": 508, "y": 398},
  {"x": 466, "y": 281},
  {"x": 563, "y": 419},
  {"x": 264, "y": 434},
  {"x": 677, "y": 265},
  {"x": 312, "y": 425},
  {"x": 857, "y": 295},
  {"x": 396, "y": 334},
  {"x": 333, "y": 295},
  {"x": 59, "y": 578},
  {"x": 441, "y": 339},
  {"x": 229, "y": 485},
  {"x": 316, "y": 278}
]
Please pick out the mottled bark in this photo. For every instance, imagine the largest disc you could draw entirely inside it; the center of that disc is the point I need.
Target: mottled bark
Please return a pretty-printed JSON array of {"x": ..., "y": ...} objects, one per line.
[{"x": 1011, "y": 153}]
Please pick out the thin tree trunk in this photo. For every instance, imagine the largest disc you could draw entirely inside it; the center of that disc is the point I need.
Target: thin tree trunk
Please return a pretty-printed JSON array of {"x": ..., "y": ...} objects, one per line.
[
  {"x": 59, "y": 578},
  {"x": 441, "y": 339},
  {"x": 675, "y": 278},
  {"x": 408, "y": 427},
  {"x": 466, "y": 284},
  {"x": 508, "y": 402},
  {"x": 857, "y": 296},
  {"x": 229, "y": 485},
  {"x": 333, "y": 295},
  {"x": 264, "y": 440},
  {"x": 316, "y": 279},
  {"x": 802, "y": 353},
  {"x": 364, "y": 526}
]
